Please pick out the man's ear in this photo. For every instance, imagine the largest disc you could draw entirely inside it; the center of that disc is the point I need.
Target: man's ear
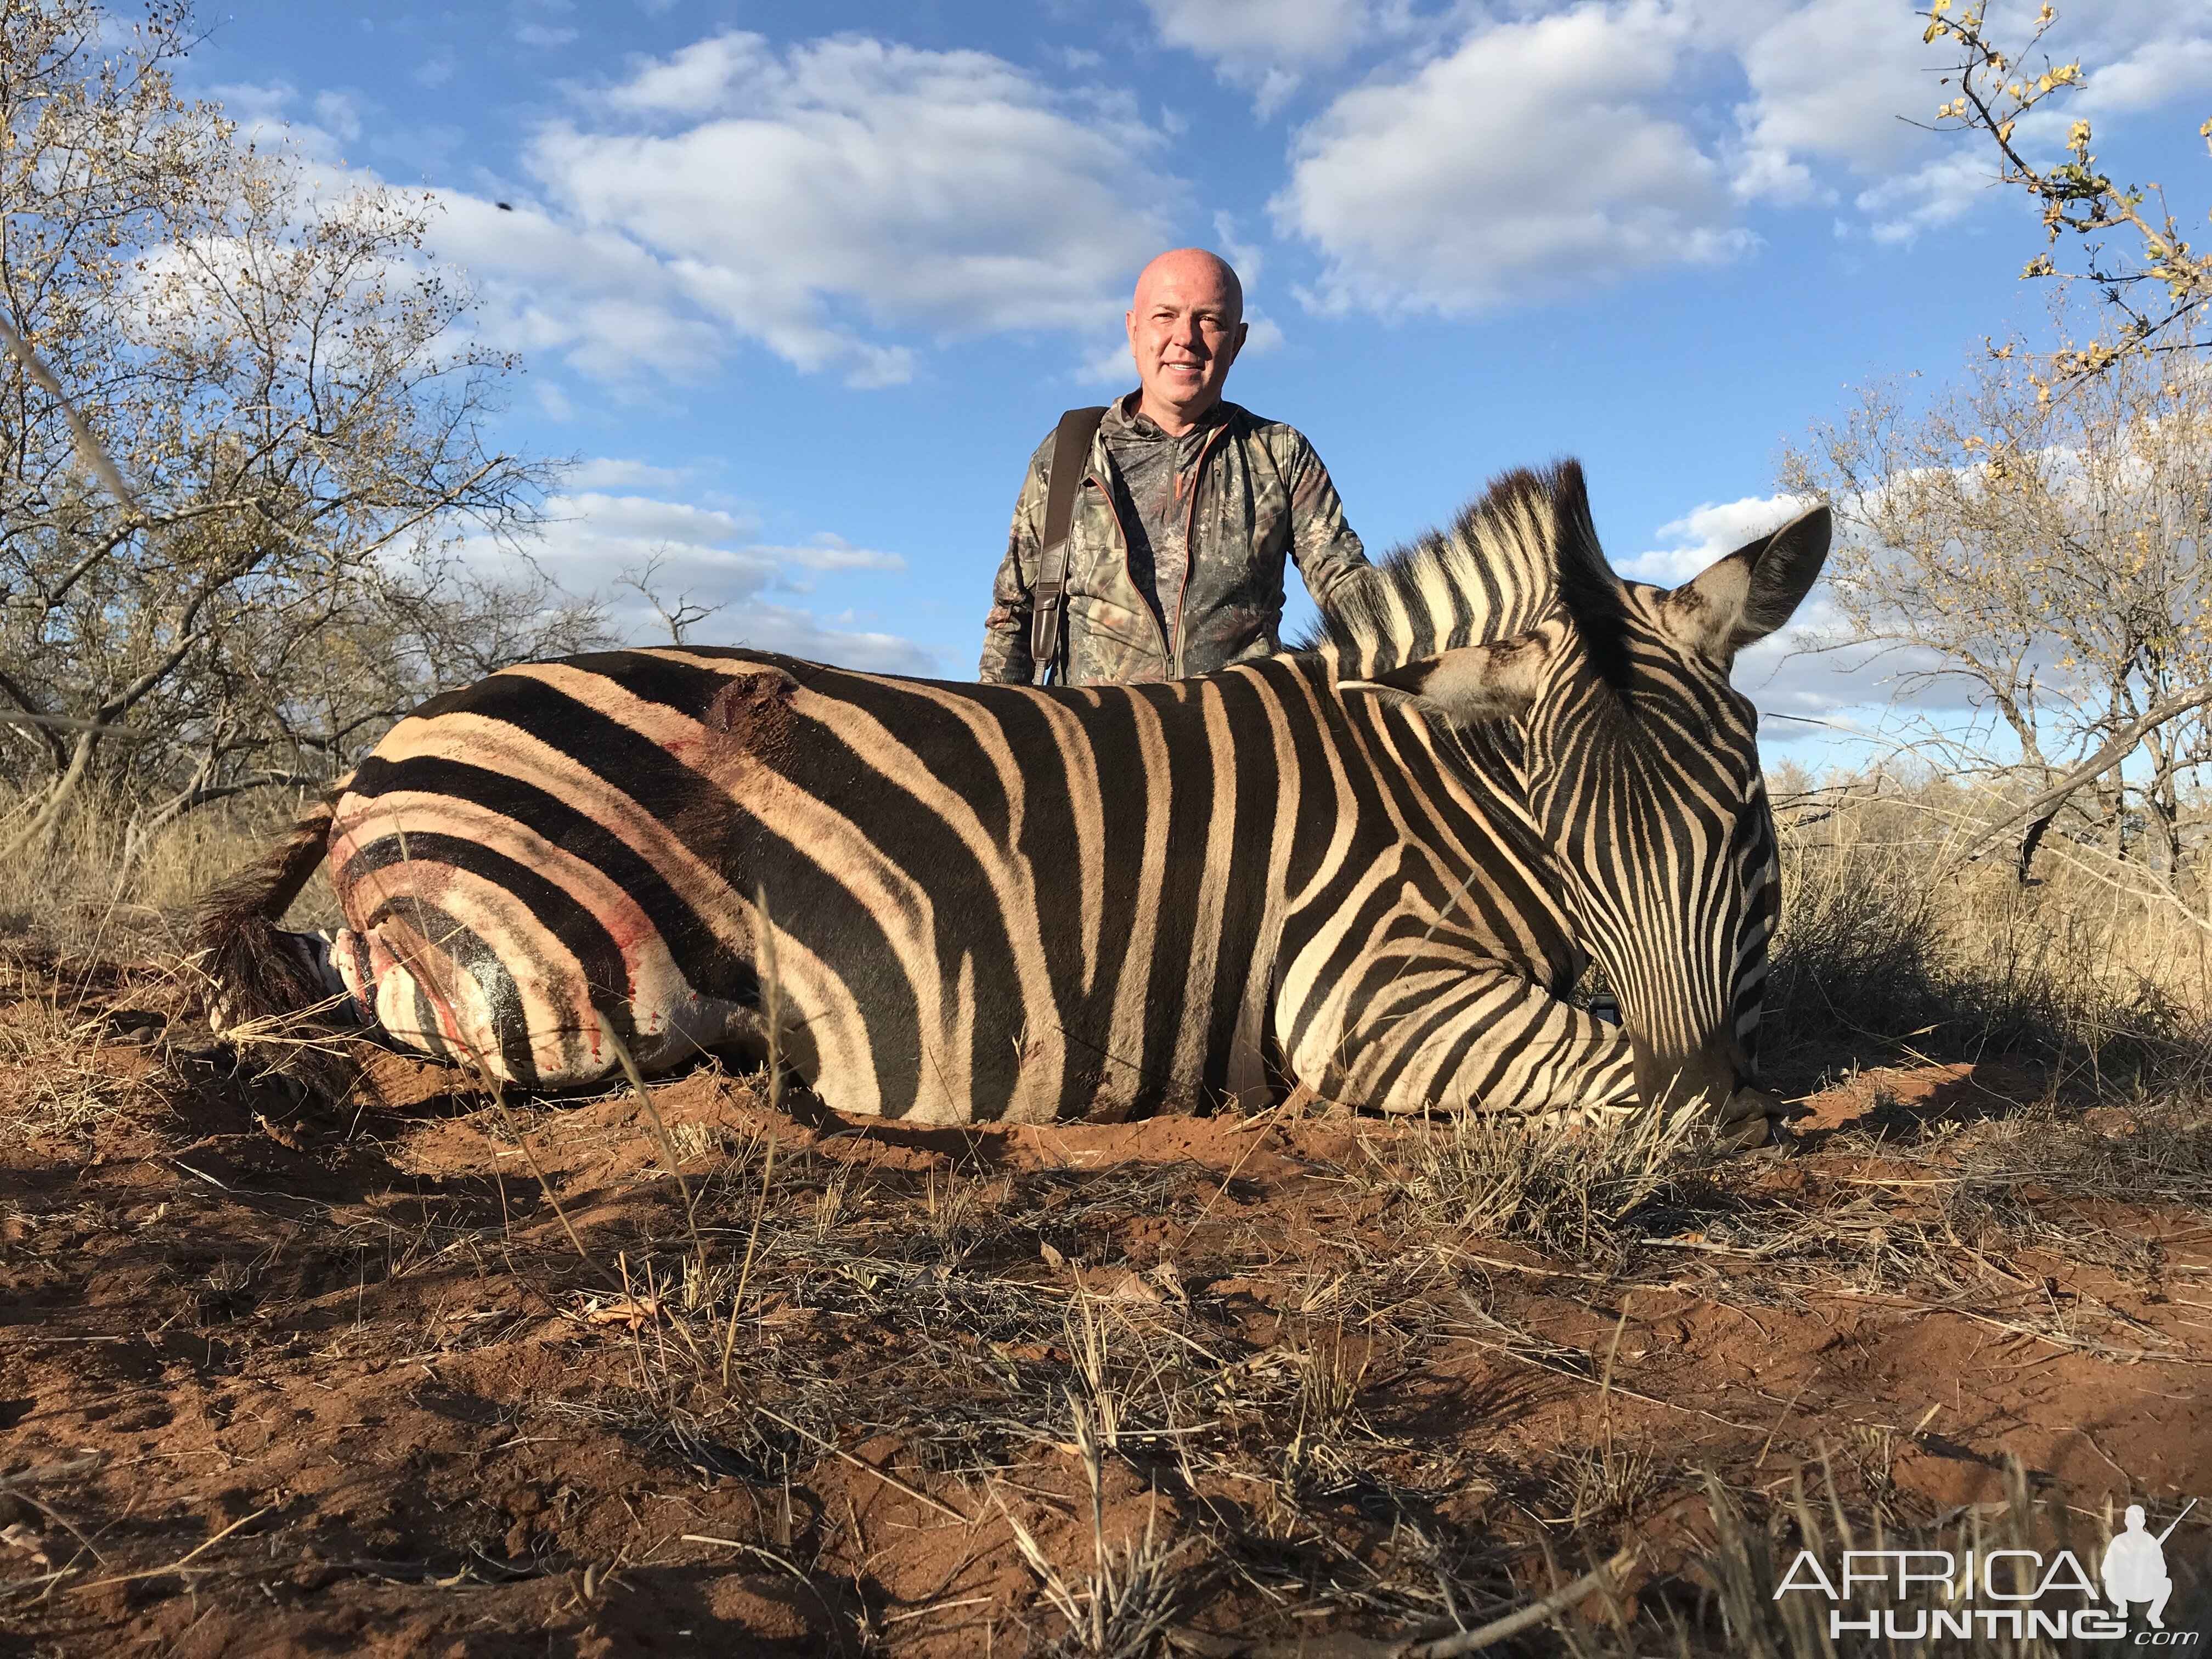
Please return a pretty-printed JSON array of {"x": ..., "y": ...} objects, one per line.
[
  {"x": 1743, "y": 597},
  {"x": 1477, "y": 683}
]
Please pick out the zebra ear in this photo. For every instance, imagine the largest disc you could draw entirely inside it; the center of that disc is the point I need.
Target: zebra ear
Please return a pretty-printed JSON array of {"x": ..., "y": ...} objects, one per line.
[
  {"x": 1476, "y": 682},
  {"x": 1745, "y": 597}
]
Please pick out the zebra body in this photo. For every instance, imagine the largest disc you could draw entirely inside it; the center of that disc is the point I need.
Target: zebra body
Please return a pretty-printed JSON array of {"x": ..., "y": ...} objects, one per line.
[
  {"x": 1366, "y": 867},
  {"x": 987, "y": 901}
]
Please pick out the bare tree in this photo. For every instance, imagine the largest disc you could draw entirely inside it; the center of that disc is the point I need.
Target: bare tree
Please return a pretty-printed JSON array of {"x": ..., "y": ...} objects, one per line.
[
  {"x": 289, "y": 545},
  {"x": 2051, "y": 554},
  {"x": 679, "y": 616}
]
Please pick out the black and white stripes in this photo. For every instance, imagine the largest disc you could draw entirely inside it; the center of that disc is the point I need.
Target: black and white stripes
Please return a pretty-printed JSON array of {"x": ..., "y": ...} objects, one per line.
[{"x": 1374, "y": 866}]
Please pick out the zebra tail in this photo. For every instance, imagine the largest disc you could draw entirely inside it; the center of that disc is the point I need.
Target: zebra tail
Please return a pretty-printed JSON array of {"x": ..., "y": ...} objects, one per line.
[{"x": 249, "y": 970}]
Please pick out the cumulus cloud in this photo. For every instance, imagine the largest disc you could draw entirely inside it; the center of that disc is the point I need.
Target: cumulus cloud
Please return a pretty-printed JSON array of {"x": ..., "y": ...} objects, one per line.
[
  {"x": 817, "y": 199},
  {"x": 1936, "y": 193},
  {"x": 1834, "y": 79},
  {"x": 1706, "y": 533},
  {"x": 586, "y": 294},
  {"x": 843, "y": 203},
  {"x": 592, "y": 541},
  {"x": 2138, "y": 53},
  {"x": 1531, "y": 157},
  {"x": 1565, "y": 145}
]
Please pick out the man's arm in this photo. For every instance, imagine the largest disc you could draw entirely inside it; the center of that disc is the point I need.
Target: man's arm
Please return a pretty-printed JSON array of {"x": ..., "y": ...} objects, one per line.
[
  {"x": 1327, "y": 553},
  {"x": 1006, "y": 658}
]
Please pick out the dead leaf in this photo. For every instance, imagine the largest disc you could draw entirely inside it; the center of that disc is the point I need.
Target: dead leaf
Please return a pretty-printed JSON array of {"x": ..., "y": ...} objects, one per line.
[
  {"x": 18, "y": 1536},
  {"x": 1170, "y": 1280},
  {"x": 635, "y": 1311}
]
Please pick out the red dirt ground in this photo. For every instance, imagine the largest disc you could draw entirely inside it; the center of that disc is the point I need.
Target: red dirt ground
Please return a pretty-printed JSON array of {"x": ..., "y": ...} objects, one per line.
[{"x": 286, "y": 1384}]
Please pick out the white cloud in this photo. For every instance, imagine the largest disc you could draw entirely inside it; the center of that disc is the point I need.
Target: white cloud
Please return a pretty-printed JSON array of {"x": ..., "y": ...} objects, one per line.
[
  {"x": 1269, "y": 32},
  {"x": 814, "y": 198},
  {"x": 339, "y": 114},
  {"x": 798, "y": 633},
  {"x": 1936, "y": 193},
  {"x": 1801, "y": 670},
  {"x": 605, "y": 471},
  {"x": 1706, "y": 533},
  {"x": 1573, "y": 143},
  {"x": 645, "y": 519},
  {"x": 704, "y": 558},
  {"x": 1268, "y": 45},
  {"x": 589, "y": 295},
  {"x": 536, "y": 22},
  {"x": 1249, "y": 258},
  {"x": 263, "y": 110},
  {"x": 1529, "y": 159},
  {"x": 826, "y": 552},
  {"x": 1835, "y": 79},
  {"x": 2164, "y": 67},
  {"x": 1266, "y": 335}
]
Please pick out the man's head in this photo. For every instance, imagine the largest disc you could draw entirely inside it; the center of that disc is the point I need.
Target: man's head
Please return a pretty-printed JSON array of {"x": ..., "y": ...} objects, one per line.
[
  {"x": 1186, "y": 327},
  {"x": 2134, "y": 1518}
]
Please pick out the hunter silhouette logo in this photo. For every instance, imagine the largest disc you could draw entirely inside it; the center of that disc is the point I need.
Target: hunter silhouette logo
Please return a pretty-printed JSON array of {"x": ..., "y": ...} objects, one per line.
[
  {"x": 1913, "y": 1596},
  {"x": 2134, "y": 1567}
]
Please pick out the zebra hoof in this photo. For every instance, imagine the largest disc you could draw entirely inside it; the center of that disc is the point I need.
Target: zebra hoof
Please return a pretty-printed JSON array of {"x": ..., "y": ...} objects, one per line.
[{"x": 1752, "y": 1121}]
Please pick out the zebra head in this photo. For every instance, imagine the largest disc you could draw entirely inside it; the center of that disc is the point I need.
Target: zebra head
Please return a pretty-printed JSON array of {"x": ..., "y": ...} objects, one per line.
[{"x": 1607, "y": 703}]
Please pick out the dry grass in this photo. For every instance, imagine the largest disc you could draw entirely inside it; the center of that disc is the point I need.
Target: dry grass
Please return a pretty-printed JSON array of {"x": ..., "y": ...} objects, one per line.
[
  {"x": 1885, "y": 950},
  {"x": 1151, "y": 1442},
  {"x": 75, "y": 895},
  {"x": 1573, "y": 1189},
  {"x": 1146, "y": 1447}
]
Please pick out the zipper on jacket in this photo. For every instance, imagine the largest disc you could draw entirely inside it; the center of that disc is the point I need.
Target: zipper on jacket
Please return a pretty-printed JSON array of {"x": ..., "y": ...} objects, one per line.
[{"x": 1189, "y": 554}]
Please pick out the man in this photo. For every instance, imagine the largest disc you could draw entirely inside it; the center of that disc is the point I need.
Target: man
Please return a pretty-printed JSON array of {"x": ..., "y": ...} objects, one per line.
[{"x": 1187, "y": 507}]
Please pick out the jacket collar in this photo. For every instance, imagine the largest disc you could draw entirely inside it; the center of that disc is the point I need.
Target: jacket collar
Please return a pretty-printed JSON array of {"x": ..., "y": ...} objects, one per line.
[{"x": 1122, "y": 414}]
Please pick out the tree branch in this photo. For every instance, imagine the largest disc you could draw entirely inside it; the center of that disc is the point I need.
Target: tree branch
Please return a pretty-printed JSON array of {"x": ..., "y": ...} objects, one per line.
[{"x": 2122, "y": 745}]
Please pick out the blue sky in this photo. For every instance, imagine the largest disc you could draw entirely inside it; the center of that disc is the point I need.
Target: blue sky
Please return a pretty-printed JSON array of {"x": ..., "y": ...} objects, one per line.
[{"x": 800, "y": 287}]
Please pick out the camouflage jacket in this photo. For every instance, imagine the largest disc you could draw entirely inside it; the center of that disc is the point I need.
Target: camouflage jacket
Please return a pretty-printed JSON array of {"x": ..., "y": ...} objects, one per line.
[{"x": 1261, "y": 494}]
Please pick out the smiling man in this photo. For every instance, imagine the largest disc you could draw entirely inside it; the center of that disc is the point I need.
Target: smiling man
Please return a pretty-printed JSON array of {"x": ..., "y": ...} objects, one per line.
[{"x": 1186, "y": 507}]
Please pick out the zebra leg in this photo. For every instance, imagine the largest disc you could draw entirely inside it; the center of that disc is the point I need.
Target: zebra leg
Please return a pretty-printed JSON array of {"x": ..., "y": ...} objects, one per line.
[
  {"x": 1443, "y": 1032},
  {"x": 466, "y": 1006}
]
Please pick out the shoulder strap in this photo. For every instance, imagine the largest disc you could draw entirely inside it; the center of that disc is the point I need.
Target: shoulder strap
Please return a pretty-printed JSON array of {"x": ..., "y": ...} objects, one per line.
[{"x": 1071, "y": 460}]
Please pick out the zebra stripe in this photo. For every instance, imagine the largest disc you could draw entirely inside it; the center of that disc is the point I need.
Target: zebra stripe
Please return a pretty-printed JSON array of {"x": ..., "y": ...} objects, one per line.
[{"x": 1375, "y": 866}]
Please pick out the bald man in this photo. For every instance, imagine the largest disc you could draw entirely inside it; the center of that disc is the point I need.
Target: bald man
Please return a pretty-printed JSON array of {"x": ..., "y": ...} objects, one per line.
[{"x": 1187, "y": 511}]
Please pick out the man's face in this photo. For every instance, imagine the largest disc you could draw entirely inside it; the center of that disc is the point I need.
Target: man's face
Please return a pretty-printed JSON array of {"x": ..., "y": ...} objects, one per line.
[{"x": 1184, "y": 332}]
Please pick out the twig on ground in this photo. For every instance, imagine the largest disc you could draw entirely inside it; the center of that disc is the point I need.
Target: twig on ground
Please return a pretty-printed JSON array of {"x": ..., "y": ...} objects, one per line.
[
  {"x": 883, "y": 1475},
  {"x": 177, "y": 1565},
  {"x": 38, "y": 1474},
  {"x": 1459, "y": 1643}
]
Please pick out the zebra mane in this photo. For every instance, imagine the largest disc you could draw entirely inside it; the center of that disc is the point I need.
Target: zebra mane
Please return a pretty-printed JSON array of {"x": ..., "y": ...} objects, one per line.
[{"x": 1526, "y": 543}]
